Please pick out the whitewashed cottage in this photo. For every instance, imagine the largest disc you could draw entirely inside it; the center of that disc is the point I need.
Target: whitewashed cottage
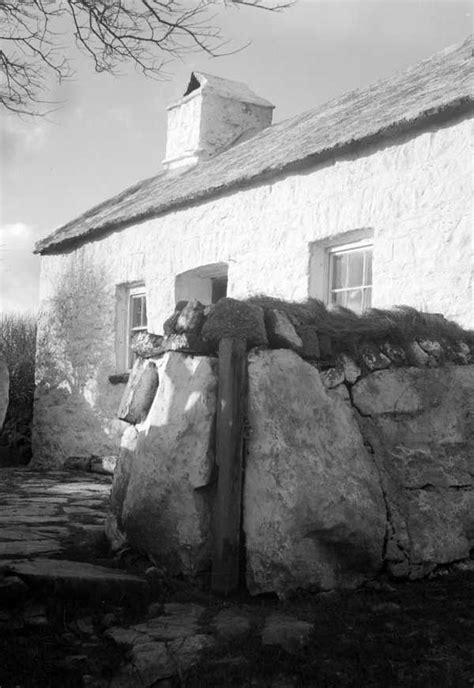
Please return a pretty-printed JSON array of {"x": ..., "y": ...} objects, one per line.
[{"x": 366, "y": 200}]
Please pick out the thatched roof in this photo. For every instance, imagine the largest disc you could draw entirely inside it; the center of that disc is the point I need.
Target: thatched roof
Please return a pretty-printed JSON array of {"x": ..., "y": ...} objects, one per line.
[{"x": 438, "y": 86}]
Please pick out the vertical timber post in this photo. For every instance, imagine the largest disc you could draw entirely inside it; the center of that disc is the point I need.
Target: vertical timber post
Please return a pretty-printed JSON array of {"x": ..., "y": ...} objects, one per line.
[{"x": 229, "y": 448}]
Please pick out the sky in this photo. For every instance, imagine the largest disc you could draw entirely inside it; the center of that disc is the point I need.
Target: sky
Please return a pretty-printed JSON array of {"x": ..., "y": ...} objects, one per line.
[{"x": 110, "y": 131}]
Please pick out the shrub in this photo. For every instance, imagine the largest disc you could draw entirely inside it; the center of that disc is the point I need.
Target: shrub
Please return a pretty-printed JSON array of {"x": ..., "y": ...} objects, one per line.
[{"x": 18, "y": 345}]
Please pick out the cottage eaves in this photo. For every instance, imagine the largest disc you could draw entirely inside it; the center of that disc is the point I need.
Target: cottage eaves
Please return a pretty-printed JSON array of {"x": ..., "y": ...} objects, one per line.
[{"x": 441, "y": 85}]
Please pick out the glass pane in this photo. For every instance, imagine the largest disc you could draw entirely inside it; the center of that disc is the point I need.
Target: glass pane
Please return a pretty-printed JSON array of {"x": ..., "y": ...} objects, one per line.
[
  {"x": 338, "y": 298},
  {"x": 138, "y": 311},
  {"x": 367, "y": 298},
  {"x": 136, "y": 314},
  {"x": 354, "y": 300},
  {"x": 339, "y": 269},
  {"x": 356, "y": 269},
  {"x": 368, "y": 267}
]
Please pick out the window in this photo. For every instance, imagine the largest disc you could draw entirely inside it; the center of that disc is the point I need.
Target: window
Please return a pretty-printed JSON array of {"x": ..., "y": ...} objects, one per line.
[
  {"x": 137, "y": 319},
  {"x": 350, "y": 276}
]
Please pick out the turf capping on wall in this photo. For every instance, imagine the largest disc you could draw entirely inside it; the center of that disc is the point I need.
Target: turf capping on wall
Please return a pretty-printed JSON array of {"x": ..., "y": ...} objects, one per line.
[{"x": 377, "y": 338}]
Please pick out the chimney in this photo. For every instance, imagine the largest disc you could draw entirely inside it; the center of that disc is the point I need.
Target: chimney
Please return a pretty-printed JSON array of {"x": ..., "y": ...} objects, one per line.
[{"x": 213, "y": 115}]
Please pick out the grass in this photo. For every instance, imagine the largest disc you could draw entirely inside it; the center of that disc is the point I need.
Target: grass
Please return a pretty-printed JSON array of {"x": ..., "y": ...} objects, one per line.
[
  {"x": 348, "y": 330},
  {"x": 395, "y": 634},
  {"x": 18, "y": 345},
  {"x": 406, "y": 634}
]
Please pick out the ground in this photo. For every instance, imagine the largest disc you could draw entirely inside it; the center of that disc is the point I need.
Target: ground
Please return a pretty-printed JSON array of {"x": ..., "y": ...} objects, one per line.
[{"x": 73, "y": 615}]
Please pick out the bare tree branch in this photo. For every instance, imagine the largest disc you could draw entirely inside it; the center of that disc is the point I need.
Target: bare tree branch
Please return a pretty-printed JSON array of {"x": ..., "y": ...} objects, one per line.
[{"x": 145, "y": 33}]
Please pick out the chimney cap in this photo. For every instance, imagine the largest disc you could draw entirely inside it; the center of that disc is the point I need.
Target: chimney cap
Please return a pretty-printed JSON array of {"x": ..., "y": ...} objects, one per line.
[{"x": 225, "y": 88}]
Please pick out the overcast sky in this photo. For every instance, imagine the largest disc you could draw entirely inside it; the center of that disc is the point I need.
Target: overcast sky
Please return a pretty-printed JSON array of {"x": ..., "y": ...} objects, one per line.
[{"x": 111, "y": 131}]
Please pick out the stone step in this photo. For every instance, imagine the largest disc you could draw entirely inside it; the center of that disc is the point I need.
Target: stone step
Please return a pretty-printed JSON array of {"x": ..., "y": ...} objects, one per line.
[{"x": 78, "y": 579}]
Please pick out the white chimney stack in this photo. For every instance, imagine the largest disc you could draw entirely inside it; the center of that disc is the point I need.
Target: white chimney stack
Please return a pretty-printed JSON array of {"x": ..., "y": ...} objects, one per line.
[{"x": 213, "y": 115}]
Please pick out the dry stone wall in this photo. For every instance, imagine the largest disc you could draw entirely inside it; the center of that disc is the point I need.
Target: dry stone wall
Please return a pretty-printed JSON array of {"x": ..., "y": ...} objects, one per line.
[
  {"x": 354, "y": 463},
  {"x": 162, "y": 491}
]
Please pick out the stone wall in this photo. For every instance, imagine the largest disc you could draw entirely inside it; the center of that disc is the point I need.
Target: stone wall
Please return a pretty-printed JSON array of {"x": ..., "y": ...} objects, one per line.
[
  {"x": 353, "y": 465},
  {"x": 345, "y": 477},
  {"x": 163, "y": 485},
  {"x": 413, "y": 193}
]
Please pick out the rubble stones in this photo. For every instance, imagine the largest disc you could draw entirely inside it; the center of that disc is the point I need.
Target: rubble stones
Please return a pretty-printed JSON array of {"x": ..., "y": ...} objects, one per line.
[
  {"x": 152, "y": 662},
  {"x": 124, "y": 637},
  {"x": 352, "y": 371},
  {"x": 185, "y": 341},
  {"x": 168, "y": 628},
  {"x": 170, "y": 323},
  {"x": 231, "y": 624},
  {"x": 395, "y": 353},
  {"x": 310, "y": 342},
  {"x": 280, "y": 331},
  {"x": 463, "y": 354},
  {"x": 373, "y": 358},
  {"x": 432, "y": 348},
  {"x": 286, "y": 631},
  {"x": 332, "y": 377},
  {"x": 144, "y": 344},
  {"x": 103, "y": 464},
  {"x": 416, "y": 355},
  {"x": 139, "y": 392},
  {"x": 190, "y": 318}
]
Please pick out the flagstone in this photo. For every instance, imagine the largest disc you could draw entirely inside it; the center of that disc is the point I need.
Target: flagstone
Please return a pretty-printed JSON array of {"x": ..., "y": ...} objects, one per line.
[
  {"x": 19, "y": 533},
  {"x": 77, "y": 577},
  {"x": 28, "y": 547},
  {"x": 34, "y": 520}
]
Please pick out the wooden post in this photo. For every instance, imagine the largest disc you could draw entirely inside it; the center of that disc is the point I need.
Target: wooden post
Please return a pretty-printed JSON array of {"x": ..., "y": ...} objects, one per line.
[{"x": 229, "y": 446}]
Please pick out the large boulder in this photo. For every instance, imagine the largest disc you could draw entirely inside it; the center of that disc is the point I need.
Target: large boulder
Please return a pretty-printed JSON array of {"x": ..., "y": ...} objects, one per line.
[
  {"x": 420, "y": 425},
  {"x": 314, "y": 513},
  {"x": 161, "y": 497},
  {"x": 4, "y": 389}
]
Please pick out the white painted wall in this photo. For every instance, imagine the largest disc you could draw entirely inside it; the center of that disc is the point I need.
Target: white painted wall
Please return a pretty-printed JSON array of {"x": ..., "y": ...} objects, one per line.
[{"x": 414, "y": 194}]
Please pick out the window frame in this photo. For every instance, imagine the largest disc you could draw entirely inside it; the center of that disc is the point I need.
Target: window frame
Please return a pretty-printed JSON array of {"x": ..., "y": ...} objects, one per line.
[
  {"x": 133, "y": 292},
  {"x": 319, "y": 258},
  {"x": 338, "y": 249}
]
